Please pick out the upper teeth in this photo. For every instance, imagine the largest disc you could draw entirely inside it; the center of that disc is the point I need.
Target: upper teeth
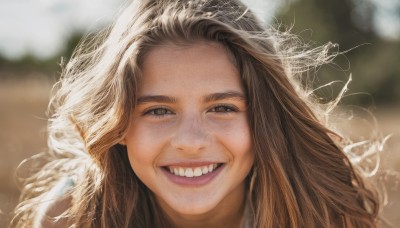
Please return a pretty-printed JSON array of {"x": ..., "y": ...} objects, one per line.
[{"x": 193, "y": 171}]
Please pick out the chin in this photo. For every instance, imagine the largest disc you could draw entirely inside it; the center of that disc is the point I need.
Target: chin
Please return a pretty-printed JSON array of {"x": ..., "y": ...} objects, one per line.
[
  {"x": 193, "y": 206},
  {"x": 194, "y": 209}
]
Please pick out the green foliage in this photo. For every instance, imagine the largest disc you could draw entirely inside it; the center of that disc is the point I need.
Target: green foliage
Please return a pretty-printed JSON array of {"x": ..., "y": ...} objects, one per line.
[
  {"x": 24, "y": 66},
  {"x": 372, "y": 61}
]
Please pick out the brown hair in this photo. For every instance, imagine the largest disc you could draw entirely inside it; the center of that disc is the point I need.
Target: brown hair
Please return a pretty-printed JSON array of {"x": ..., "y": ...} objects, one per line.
[{"x": 301, "y": 176}]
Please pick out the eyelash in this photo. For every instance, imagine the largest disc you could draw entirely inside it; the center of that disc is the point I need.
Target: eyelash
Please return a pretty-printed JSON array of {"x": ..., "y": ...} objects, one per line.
[
  {"x": 227, "y": 109},
  {"x": 153, "y": 111}
]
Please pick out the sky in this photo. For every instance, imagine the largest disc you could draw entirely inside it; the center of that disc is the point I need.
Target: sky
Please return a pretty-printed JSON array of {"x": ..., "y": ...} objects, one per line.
[
  {"x": 42, "y": 27},
  {"x": 386, "y": 22}
]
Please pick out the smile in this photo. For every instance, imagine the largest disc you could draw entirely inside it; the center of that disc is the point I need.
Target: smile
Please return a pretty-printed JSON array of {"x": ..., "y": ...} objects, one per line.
[
  {"x": 195, "y": 175},
  {"x": 192, "y": 171}
]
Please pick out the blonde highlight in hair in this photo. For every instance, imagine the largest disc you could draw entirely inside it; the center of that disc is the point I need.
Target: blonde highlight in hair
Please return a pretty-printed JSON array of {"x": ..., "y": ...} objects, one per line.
[{"x": 301, "y": 176}]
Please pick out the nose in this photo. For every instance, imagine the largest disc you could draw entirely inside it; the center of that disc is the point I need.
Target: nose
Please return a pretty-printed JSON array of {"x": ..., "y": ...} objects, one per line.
[{"x": 191, "y": 135}]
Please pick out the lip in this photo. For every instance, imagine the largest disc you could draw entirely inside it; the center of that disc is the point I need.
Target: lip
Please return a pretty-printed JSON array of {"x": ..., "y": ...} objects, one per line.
[
  {"x": 193, "y": 181},
  {"x": 190, "y": 164}
]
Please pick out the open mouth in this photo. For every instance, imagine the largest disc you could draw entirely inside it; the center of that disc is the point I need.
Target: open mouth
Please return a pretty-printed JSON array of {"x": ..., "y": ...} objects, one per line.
[{"x": 193, "y": 171}]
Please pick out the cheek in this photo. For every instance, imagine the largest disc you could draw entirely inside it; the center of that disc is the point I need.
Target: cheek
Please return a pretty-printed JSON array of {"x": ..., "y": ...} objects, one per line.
[
  {"x": 235, "y": 135},
  {"x": 236, "y": 138},
  {"x": 241, "y": 140},
  {"x": 144, "y": 145}
]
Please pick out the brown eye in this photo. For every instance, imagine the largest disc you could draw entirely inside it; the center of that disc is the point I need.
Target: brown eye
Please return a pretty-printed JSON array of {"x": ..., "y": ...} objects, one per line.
[
  {"x": 158, "y": 112},
  {"x": 223, "y": 109}
]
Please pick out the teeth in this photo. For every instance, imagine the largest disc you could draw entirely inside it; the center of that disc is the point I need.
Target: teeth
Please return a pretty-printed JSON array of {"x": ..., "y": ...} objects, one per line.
[
  {"x": 181, "y": 172},
  {"x": 189, "y": 172},
  {"x": 197, "y": 172},
  {"x": 204, "y": 170},
  {"x": 192, "y": 172}
]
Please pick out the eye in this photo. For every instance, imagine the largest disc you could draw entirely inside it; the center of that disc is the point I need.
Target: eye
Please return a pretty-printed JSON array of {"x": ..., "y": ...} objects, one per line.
[
  {"x": 223, "y": 109},
  {"x": 158, "y": 112}
]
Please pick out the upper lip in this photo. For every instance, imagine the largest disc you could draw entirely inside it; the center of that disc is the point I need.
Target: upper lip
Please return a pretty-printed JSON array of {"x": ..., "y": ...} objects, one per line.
[{"x": 190, "y": 163}]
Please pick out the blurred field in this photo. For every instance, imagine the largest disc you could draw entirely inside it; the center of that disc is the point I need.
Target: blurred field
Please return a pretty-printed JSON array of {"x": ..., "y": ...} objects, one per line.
[{"x": 22, "y": 133}]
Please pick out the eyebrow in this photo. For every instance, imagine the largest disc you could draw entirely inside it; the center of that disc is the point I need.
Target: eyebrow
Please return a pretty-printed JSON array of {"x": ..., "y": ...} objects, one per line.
[
  {"x": 225, "y": 95},
  {"x": 209, "y": 98},
  {"x": 156, "y": 98}
]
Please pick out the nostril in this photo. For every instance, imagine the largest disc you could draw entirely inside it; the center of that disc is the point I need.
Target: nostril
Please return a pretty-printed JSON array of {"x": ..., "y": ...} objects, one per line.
[{"x": 190, "y": 141}]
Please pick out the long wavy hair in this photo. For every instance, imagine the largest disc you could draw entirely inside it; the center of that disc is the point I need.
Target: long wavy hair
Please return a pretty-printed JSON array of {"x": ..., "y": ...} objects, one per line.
[{"x": 301, "y": 175}]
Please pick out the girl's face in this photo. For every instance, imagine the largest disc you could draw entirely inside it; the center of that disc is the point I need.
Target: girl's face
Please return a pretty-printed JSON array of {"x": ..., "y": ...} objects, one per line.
[{"x": 189, "y": 141}]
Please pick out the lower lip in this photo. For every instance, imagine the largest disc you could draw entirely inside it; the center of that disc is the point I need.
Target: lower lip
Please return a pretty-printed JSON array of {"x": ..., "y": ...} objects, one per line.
[{"x": 193, "y": 181}]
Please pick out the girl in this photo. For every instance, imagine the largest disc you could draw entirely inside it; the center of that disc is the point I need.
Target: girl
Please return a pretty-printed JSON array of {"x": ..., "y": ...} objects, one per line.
[{"x": 192, "y": 114}]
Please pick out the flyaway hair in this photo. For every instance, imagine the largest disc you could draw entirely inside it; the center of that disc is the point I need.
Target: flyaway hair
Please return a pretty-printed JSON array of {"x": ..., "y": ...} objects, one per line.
[{"x": 301, "y": 176}]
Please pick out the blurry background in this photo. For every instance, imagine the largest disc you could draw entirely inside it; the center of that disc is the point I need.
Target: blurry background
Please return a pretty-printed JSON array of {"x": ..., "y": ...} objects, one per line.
[{"x": 35, "y": 34}]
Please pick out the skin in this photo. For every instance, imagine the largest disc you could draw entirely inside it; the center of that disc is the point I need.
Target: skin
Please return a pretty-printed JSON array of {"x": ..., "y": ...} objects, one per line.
[{"x": 192, "y": 125}]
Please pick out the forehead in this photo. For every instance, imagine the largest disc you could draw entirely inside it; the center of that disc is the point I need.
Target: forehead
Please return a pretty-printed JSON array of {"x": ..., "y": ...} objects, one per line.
[
  {"x": 202, "y": 65},
  {"x": 174, "y": 48}
]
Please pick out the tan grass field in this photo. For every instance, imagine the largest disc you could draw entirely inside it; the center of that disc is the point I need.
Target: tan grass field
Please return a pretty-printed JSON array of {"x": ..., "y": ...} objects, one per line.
[{"x": 22, "y": 133}]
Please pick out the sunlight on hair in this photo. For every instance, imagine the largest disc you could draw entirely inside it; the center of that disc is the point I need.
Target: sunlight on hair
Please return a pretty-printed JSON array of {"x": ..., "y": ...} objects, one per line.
[{"x": 308, "y": 170}]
